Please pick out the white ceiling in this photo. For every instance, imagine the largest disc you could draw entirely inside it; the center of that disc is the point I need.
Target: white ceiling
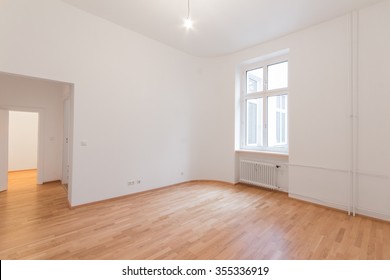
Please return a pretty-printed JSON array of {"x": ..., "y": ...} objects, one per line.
[{"x": 221, "y": 26}]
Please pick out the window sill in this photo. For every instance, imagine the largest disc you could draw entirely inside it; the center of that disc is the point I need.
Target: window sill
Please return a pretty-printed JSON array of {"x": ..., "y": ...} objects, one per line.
[{"x": 268, "y": 153}]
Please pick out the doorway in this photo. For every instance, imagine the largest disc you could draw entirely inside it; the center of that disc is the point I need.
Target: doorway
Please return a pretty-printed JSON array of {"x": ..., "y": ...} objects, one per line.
[
  {"x": 19, "y": 145},
  {"x": 23, "y": 141},
  {"x": 47, "y": 99}
]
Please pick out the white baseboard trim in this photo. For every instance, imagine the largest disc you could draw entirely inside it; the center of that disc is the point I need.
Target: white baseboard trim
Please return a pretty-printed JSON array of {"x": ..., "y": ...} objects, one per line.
[
  {"x": 364, "y": 212},
  {"x": 319, "y": 202},
  {"x": 373, "y": 214}
]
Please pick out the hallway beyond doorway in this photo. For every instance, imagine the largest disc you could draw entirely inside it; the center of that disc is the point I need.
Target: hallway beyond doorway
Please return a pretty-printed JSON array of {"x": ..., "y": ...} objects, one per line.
[{"x": 22, "y": 179}]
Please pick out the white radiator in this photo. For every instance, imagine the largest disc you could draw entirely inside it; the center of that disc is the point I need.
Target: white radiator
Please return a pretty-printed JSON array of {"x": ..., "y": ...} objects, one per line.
[{"x": 258, "y": 173}]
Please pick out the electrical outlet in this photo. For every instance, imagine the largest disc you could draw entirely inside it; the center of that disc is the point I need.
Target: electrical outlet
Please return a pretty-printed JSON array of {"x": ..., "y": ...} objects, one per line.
[
  {"x": 131, "y": 183},
  {"x": 138, "y": 181}
]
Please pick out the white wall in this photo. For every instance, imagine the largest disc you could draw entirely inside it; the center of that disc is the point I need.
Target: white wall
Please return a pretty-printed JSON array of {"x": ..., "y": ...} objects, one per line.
[
  {"x": 319, "y": 160},
  {"x": 212, "y": 126},
  {"x": 132, "y": 96},
  {"x": 45, "y": 97},
  {"x": 373, "y": 195},
  {"x": 23, "y": 141},
  {"x": 319, "y": 122}
]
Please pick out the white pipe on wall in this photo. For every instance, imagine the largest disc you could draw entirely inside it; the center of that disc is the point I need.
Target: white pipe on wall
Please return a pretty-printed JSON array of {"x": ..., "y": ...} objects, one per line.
[
  {"x": 353, "y": 25},
  {"x": 355, "y": 107},
  {"x": 350, "y": 114}
]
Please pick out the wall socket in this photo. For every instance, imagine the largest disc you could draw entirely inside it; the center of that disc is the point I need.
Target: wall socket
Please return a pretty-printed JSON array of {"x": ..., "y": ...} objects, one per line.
[{"x": 133, "y": 182}]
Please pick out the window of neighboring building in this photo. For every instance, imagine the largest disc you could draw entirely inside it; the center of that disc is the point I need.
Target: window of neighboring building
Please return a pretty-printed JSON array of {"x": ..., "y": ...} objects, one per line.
[{"x": 264, "y": 106}]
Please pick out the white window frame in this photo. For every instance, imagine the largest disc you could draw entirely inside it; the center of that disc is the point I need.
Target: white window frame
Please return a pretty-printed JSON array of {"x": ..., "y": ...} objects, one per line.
[{"x": 244, "y": 96}]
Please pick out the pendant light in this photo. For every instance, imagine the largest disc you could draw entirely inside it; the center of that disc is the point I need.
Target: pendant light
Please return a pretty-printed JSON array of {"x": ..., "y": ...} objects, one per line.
[{"x": 188, "y": 21}]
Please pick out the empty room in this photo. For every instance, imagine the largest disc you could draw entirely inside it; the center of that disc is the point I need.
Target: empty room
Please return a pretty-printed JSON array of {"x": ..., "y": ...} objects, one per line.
[{"x": 196, "y": 130}]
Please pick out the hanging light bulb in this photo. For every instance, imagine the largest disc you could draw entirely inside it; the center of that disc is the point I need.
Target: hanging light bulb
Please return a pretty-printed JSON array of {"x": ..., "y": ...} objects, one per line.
[{"x": 188, "y": 23}]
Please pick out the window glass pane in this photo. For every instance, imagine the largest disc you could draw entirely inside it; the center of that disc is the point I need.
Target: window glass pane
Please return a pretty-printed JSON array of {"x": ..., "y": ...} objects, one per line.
[
  {"x": 254, "y": 80},
  {"x": 278, "y": 76},
  {"x": 254, "y": 124},
  {"x": 277, "y": 121}
]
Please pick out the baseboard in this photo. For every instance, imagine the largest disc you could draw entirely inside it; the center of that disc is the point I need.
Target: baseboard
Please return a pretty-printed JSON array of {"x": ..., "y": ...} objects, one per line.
[
  {"x": 125, "y": 196},
  {"x": 211, "y": 181},
  {"x": 50, "y": 182},
  {"x": 23, "y": 170},
  {"x": 363, "y": 212},
  {"x": 373, "y": 214},
  {"x": 327, "y": 204},
  {"x": 151, "y": 190}
]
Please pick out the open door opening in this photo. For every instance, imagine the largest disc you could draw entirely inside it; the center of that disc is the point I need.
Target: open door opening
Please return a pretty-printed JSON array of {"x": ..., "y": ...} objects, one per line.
[
  {"x": 23, "y": 142},
  {"x": 52, "y": 101}
]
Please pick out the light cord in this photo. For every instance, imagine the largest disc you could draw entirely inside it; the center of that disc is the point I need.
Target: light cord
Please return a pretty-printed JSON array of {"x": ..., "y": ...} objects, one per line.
[{"x": 188, "y": 9}]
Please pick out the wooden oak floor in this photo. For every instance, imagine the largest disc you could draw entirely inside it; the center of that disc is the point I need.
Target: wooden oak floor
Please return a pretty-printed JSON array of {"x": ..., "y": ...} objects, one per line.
[{"x": 189, "y": 221}]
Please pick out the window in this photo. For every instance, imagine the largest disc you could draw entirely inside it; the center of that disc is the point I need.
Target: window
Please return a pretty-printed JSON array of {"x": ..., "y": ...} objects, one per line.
[{"x": 264, "y": 99}]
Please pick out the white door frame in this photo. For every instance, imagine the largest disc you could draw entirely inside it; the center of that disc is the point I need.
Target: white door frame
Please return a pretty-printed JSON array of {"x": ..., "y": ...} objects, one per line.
[
  {"x": 4, "y": 128},
  {"x": 66, "y": 142},
  {"x": 41, "y": 147}
]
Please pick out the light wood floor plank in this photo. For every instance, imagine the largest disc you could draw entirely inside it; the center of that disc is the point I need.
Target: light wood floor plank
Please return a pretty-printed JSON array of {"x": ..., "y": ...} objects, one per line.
[{"x": 188, "y": 221}]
